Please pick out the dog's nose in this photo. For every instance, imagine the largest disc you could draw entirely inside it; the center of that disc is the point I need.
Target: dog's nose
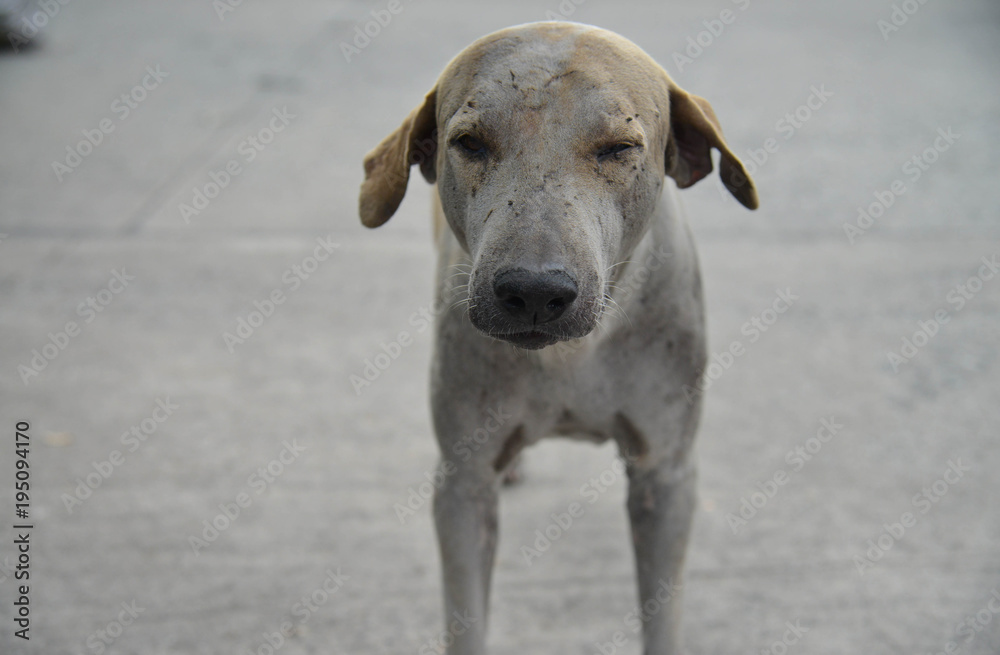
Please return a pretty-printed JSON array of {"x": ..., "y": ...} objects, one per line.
[{"x": 534, "y": 298}]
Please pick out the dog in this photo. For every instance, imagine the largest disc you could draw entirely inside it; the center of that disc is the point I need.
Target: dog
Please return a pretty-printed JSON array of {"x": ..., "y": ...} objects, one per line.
[{"x": 569, "y": 282}]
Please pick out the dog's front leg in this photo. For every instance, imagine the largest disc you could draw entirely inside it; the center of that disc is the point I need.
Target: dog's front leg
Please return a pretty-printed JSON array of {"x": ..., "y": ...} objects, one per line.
[
  {"x": 661, "y": 501},
  {"x": 465, "y": 513}
]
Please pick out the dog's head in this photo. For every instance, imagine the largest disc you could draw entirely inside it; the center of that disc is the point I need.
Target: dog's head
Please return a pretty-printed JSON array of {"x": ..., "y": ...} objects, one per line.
[{"x": 549, "y": 143}]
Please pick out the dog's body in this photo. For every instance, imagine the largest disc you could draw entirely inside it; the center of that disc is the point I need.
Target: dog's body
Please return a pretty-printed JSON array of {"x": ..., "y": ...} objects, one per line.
[{"x": 549, "y": 144}]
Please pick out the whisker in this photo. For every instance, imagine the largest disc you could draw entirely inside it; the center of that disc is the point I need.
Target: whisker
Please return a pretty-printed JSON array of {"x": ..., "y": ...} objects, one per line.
[
  {"x": 619, "y": 309},
  {"x": 458, "y": 274},
  {"x": 612, "y": 267}
]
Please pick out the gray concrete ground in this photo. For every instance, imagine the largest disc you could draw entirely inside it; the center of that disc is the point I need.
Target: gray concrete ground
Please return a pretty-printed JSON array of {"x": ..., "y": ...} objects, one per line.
[{"x": 327, "y": 515}]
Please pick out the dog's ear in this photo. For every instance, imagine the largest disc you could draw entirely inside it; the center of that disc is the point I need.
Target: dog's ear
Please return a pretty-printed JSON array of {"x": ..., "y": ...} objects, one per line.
[
  {"x": 387, "y": 167},
  {"x": 694, "y": 131}
]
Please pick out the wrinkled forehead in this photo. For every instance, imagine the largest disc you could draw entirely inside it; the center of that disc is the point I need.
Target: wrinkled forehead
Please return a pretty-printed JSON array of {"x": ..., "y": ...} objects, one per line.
[{"x": 567, "y": 72}]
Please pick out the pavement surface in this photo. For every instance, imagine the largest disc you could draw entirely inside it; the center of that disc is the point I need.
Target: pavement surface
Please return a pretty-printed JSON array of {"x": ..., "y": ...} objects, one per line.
[{"x": 167, "y": 167}]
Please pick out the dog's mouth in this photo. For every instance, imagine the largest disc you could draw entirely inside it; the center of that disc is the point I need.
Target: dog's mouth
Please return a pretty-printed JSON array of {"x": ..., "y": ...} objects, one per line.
[{"x": 532, "y": 340}]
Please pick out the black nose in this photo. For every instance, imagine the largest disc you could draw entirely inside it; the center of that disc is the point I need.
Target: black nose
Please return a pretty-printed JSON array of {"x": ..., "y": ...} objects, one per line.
[{"x": 533, "y": 298}]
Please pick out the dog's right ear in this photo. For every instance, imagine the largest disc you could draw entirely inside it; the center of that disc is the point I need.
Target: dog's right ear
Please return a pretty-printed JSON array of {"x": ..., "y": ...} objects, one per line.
[{"x": 387, "y": 167}]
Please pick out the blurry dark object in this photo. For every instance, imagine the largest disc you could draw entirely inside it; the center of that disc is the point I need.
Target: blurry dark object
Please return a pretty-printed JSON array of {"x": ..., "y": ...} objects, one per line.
[{"x": 19, "y": 27}]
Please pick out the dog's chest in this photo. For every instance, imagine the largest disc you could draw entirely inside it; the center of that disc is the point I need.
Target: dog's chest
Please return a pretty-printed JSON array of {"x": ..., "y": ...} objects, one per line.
[{"x": 570, "y": 395}]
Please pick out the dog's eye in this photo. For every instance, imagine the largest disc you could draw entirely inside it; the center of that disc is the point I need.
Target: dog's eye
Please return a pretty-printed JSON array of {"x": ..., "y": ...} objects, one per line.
[
  {"x": 614, "y": 151},
  {"x": 471, "y": 145}
]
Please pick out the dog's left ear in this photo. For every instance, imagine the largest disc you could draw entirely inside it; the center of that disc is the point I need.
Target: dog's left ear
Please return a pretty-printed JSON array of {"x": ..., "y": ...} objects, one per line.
[
  {"x": 387, "y": 167},
  {"x": 694, "y": 131}
]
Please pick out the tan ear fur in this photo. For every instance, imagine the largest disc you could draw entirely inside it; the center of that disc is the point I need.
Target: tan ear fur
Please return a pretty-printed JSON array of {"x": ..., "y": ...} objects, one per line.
[
  {"x": 694, "y": 132},
  {"x": 387, "y": 167}
]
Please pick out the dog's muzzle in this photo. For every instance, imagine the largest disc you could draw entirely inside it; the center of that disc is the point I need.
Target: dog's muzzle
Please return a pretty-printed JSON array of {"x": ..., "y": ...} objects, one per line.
[{"x": 527, "y": 306}]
